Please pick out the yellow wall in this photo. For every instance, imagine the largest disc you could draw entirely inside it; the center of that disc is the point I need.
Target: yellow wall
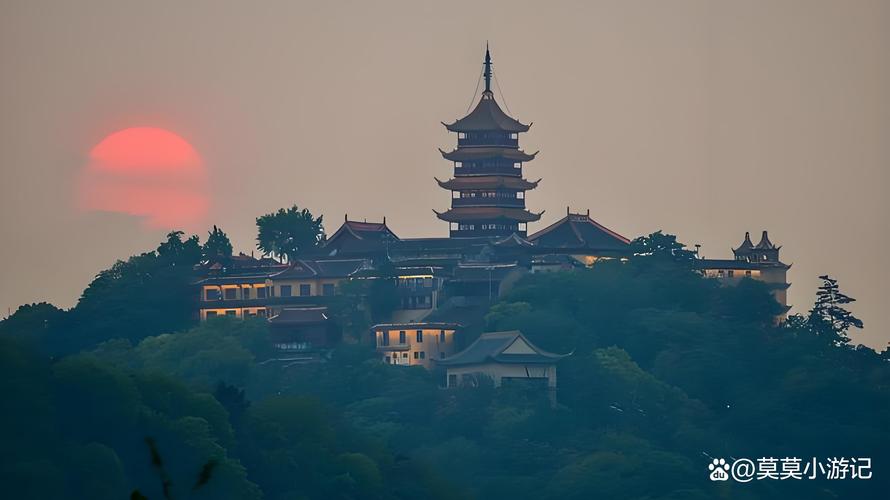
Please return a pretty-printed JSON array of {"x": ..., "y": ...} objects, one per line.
[
  {"x": 241, "y": 289},
  {"x": 315, "y": 285},
  {"x": 432, "y": 348},
  {"x": 240, "y": 312}
]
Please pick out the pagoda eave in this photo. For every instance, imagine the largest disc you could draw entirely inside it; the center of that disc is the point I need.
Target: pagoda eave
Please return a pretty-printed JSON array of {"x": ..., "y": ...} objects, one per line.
[
  {"x": 488, "y": 182},
  {"x": 474, "y": 214},
  {"x": 485, "y": 153}
]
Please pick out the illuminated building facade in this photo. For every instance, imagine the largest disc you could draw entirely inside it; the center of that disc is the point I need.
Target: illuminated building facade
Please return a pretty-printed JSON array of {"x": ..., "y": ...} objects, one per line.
[
  {"x": 414, "y": 344},
  {"x": 759, "y": 262},
  {"x": 487, "y": 250}
]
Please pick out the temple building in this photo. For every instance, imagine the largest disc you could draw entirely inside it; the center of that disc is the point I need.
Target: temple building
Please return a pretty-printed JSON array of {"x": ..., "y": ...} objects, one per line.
[
  {"x": 503, "y": 358},
  {"x": 488, "y": 188},
  {"x": 581, "y": 237},
  {"x": 442, "y": 281},
  {"x": 760, "y": 262},
  {"x": 264, "y": 288},
  {"x": 303, "y": 332}
]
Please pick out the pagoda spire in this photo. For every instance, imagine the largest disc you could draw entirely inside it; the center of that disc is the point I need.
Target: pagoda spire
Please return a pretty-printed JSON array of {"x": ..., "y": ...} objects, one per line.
[{"x": 487, "y": 72}]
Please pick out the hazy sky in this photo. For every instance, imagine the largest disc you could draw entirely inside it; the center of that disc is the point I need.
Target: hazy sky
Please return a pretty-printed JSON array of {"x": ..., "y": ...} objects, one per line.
[{"x": 703, "y": 118}]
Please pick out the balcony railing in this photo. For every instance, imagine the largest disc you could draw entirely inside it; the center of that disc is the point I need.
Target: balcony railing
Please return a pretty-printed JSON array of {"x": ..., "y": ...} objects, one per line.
[
  {"x": 489, "y": 141},
  {"x": 268, "y": 301},
  {"x": 489, "y": 170},
  {"x": 468, "y": 233},
  {"x": 479, "y": 201}
]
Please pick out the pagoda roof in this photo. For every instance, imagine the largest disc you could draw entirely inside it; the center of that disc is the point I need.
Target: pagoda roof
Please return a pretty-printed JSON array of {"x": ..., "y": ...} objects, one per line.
[
  {"x": 483, "y": 153},
  {"x": 746, "y": 245},
  {"x": 579, "y": 231},
  {"x": 488, "y": 182},
  {"x": 487, "y": 116},
  {"x": 459, "y": 214},
  {"x": 510, "y": 347},
  {"x": 765, "y": 243}
]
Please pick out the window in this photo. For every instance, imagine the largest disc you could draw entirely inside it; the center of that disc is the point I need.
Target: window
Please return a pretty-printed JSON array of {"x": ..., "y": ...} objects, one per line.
[
  {"x": 441, "y": 355},
  {"x": 305, "y": 290},
  {"x": 285, "y": 290},
  {"x": 452, "y": 380},
  {"x": 261, "y": 292},
  {"x": 245, "y": 293},
  {"x": 211, "y": 314},
  {"x": 402, "y": 338},
  {"x": 420, "y": 335},
  {"x": 442, "y": 336},
  {"x": 230, "y": 293},
  {"x": 327, "y": 289},
  {"x": 384, "y": 337},
  {"x": 231, "y": 312},
  {"x": 748, "y": 273},
  {"x": 730, "y": 273},
  {"x": 416, "y": 354},
  {"x": 387, "y": 360},
  {"x": 422, "y": 355},
  {"x": 404, "y": 355},
  {"x": 211, "y": 294}
]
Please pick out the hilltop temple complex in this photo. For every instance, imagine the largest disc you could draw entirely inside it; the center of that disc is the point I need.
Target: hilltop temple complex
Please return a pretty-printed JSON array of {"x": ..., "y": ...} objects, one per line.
[{"x": 488, "y": 248}]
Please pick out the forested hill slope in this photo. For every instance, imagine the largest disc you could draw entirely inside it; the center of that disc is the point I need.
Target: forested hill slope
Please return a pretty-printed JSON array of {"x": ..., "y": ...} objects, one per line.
[{"x": 668, "y": 371}]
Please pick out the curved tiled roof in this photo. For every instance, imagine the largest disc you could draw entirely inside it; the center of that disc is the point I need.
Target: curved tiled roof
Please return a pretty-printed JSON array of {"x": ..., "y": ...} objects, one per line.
[
  {"x": 487, "y": 116},
  {"x": 470, "y": 214},
  {"x": 579, "y": 231},
  {"x": 488, "y": 182},
  {"x": 496, "y": 347},
  {"x": 471, "y": 154}
]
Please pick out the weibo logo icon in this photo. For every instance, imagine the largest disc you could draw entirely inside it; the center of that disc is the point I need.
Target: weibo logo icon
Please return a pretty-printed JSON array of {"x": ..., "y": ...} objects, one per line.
[{"x": 719, "y": 470}]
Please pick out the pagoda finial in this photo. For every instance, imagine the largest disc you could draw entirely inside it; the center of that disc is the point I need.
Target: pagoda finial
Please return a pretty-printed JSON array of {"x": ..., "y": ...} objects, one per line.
[{"x": 487, "y": 72}]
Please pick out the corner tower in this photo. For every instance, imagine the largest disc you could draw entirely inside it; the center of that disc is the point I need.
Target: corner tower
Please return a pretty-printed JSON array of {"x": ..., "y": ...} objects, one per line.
[{"x": 488, "y": 189}]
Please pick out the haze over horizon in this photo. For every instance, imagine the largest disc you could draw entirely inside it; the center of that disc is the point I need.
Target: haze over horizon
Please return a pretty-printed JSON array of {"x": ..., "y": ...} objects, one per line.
[{"x": 704, "y": 119}]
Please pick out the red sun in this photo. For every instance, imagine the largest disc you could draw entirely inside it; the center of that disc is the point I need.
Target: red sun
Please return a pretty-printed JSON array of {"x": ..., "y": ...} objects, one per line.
[{"x": 147, "y": 172}]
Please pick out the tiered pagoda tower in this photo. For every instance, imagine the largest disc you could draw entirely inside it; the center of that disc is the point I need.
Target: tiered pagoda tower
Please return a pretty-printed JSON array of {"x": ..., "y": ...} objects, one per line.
[{"x": 488, "y": 189}]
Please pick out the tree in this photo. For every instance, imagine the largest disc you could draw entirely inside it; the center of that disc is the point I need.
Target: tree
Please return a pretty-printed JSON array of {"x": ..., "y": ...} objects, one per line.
[
  {"x": 175, "y": 251},
  {"x": 829, "y": 316},
  {"x": 145, "y": 295},
  {"x": 289, "y": 233},
  {"x": 663, "y": 245},
  {"x": 217, "y": 248}
]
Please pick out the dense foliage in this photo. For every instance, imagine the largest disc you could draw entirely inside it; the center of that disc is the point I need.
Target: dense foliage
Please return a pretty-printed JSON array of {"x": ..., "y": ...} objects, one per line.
[
  {"x": 217, "y": 248},
  {"x": 148, "y": 294},
  {"x": 667, "y": 370},
  {"x": 289, "y": 233}
]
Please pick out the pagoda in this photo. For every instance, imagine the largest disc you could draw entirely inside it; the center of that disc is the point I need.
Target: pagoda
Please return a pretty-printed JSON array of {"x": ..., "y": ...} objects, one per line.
[{"x": 488, "y": 189}]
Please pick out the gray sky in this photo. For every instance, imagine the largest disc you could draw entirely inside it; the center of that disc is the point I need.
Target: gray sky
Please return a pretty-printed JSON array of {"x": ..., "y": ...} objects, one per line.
[{"x": 702, "y": 118}]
